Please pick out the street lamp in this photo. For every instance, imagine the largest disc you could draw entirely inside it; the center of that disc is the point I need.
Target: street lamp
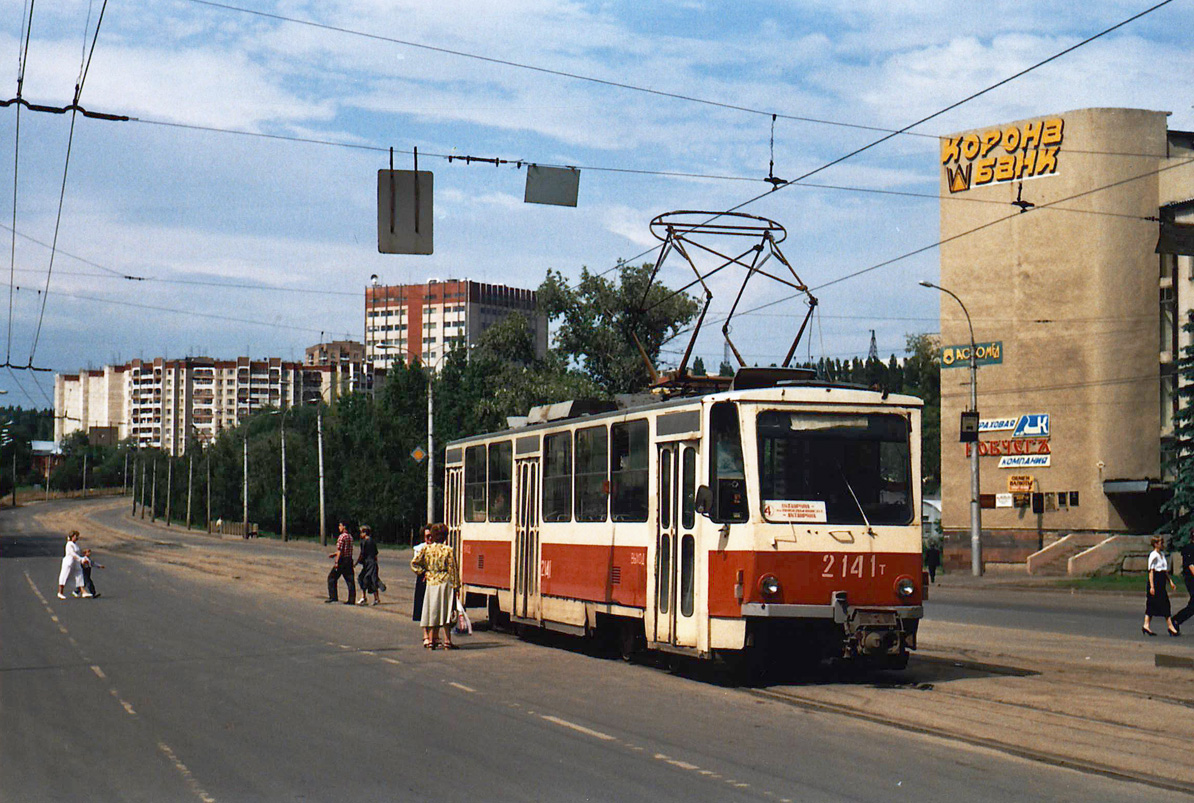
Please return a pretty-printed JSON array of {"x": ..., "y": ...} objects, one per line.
[{"x": 976, "y": 527}]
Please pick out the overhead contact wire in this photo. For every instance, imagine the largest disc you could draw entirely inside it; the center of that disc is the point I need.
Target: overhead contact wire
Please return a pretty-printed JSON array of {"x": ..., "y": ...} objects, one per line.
[
  {"x": 85, "y": 67},
  {"x": 22, "y": 61}
]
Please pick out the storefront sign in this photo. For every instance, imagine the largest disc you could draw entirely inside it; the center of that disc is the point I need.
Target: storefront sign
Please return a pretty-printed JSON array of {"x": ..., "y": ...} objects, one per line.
[
  {"x": 999, "y": 155},
  {"x": 959, "y": 356},
  {"x": 1035, "y": 425},
  {"x": 785, "y": 510},
  {"x": 1003, "y": 500},
  {"x": 1011, "y": 446},
  {"x": 1024, "y": 461},
  {"x": 1020, "y": 483},
  {"x": 1031, "y": 425}
]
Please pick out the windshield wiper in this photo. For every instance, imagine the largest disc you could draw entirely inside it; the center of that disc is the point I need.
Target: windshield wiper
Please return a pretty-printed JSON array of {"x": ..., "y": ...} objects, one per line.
[{"x": 862, "y": 512}]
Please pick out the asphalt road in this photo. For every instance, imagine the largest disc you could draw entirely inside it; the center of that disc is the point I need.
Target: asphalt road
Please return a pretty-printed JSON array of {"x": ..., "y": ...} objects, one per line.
[
  {"x": 181, "y": 687},
  {"x": 1091, "y": 614}
]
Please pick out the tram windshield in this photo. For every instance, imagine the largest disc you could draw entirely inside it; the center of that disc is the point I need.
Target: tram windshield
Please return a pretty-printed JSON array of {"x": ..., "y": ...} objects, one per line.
[{"x": 834, "y": 468}]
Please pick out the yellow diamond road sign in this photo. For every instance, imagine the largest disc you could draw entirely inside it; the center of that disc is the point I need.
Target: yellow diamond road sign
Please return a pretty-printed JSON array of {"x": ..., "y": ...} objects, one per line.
[{"x": 418, "y": 454}]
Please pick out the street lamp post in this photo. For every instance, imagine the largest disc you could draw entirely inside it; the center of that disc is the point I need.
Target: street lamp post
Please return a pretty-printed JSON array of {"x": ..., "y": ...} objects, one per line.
[{"x": 976, "y": 527}]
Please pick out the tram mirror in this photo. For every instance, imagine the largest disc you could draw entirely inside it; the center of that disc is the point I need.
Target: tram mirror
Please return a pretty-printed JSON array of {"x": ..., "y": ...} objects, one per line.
[{"x": 704, "y": 501}]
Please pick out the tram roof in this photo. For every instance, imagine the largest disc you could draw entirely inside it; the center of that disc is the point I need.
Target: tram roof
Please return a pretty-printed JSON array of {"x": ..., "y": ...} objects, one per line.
[{"x": 859, "y": 394}]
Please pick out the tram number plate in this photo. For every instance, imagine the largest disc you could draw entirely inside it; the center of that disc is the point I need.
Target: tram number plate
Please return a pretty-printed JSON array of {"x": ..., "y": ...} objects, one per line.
[{"x": 874, "y": 619}]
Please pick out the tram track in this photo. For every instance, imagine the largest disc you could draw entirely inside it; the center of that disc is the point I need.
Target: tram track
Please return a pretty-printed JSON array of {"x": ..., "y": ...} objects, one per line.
[{"x": 808, "y": 698}]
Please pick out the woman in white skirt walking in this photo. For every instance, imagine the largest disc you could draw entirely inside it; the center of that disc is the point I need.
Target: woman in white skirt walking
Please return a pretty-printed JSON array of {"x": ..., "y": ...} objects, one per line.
[
  {"x": 437, "y": 562},
  {"x": 72, "y": 568}
]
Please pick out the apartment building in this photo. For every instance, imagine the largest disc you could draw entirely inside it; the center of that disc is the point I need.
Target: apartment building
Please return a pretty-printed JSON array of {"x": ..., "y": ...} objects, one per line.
[
  {"x": 423, "y": 322},
  {"x": 164, "y": 403}
]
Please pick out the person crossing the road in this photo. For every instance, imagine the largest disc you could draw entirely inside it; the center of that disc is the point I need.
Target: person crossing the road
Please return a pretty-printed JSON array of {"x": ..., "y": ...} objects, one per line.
[
  {"x": 87, "y": 565},
  {"x": 72, "y": 568},
  {"x": 342, "y": 568}
]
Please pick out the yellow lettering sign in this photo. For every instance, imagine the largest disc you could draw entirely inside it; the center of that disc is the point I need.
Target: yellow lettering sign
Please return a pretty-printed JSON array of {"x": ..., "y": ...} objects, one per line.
[{"x": 1025, "y": 151}]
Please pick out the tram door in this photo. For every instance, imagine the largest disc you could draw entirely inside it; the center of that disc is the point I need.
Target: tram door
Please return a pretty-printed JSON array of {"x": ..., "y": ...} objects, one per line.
[
  {"x": 526, "y": 540},
  {"x": 676, "y": 552},
  {"x": 454, "y": 507}
]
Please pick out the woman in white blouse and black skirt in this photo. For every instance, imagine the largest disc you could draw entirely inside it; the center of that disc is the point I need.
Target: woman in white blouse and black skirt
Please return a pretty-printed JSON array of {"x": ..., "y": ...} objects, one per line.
[{"x": 1159, "y": 583}]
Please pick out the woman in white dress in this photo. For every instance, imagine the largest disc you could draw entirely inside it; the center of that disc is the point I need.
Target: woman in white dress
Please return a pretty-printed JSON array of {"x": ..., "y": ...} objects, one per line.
[{"x": 72, "y": 568}]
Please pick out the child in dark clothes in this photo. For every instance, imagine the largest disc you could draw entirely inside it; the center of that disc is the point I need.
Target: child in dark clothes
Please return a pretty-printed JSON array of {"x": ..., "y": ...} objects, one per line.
[{"x": 87, "y": 564}]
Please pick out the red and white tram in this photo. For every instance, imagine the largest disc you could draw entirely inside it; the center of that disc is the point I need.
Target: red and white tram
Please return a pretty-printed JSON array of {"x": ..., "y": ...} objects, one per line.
[{"x": 780, "y": 517}]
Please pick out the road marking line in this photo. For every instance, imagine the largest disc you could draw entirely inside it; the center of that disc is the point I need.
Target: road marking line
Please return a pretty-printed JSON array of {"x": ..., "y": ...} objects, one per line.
[
  {"x": 186, "y": 774},
  {"x": 128, "y": 707},
  {"x": 684, "y": 765},
  {"x": 63, "y": 630},
  {"x": 344, "y": 646},
  {"x": 53, "y": 618},
  {"x": 579, "y": 728},
  {"x": 462, "y": 687},
  {"x": 390, "y": 660},
  {"x": 99, "y": 673}
]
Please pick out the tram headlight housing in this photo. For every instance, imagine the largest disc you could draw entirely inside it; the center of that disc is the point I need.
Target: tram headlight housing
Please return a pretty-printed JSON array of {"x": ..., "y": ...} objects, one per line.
[
  {"x": 905, "y": 588},
  {"x": 769, "y": 585}
]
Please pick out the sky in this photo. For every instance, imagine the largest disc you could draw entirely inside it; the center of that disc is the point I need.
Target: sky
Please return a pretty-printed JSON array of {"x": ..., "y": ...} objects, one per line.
[{"x": 262, "y": 245}]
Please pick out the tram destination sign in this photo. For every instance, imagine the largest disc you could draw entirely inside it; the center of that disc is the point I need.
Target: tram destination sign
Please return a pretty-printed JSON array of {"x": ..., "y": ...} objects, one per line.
[
  {"x": 984, "y": 354},
  {"x": 796, "y": 512}
]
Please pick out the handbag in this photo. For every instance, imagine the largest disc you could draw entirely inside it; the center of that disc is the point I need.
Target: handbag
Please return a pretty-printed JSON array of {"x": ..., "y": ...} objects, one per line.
[{"x": 464, "y": 625}]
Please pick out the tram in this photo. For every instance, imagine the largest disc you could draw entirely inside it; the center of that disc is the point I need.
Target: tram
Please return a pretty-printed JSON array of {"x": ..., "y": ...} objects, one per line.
[{"x": 777, "y": 518}]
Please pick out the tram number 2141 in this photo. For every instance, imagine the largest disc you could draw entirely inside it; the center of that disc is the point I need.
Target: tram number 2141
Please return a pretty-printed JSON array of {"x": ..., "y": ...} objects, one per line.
[{"x": 852, "y": 566}]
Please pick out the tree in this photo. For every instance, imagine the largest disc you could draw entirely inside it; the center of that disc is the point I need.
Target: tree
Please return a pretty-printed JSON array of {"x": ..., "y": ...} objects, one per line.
[
  {"x": 698, "y": 367},
  {"x": 598, "y": 318},
  {"x": 922, "y": 377},
  {"x": 1180, "y": 457}
]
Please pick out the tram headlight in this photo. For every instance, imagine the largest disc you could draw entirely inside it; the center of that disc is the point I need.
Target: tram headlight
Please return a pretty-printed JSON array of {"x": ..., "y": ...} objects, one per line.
[
  {"x": 905, "y": 588},
  {"x": 769, "y": 585}
]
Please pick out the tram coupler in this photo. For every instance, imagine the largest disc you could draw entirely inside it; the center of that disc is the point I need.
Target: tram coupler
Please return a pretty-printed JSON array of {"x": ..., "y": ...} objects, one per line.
[{"x": 873, "y": 633}]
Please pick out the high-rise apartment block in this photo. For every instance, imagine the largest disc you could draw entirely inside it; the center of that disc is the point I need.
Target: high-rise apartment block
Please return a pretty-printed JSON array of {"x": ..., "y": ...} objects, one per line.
[
  {"x": 423, "y": 322},
  {"x": 165, "y": 403}
]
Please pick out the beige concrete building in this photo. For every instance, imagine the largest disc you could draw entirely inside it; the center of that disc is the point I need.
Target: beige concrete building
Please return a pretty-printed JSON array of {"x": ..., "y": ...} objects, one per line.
[
  {"x": 424, "y": 322},
  {"x": 162, "y": 403},
  {"x": 1050, "y": 230}
]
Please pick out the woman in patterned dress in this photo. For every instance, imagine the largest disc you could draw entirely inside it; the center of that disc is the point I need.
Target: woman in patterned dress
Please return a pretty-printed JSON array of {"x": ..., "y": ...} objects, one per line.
[{"x": 438, "y": 564}]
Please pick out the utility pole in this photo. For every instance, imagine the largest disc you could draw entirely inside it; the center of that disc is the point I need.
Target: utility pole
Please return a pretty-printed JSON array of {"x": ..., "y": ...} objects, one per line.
[
  {"x": 14, "y": 475},
  {"x": 134, "y": 486},
  {"x": 124, "y": 482},
  {"x": 209, "y": 492},
  {"x": 153, "y": 494},
  {"x": 430, "y": 447},
  {"x": 169, "y": 486},
  {"x": 323, "y": 532},
  {"x": 245, "y": 488},
  {"x": 190, "y": 478},
  {"x": 84, "y": 473},
  {"x": 143, "y": 487},
  {"x": 283, "y": 430}
]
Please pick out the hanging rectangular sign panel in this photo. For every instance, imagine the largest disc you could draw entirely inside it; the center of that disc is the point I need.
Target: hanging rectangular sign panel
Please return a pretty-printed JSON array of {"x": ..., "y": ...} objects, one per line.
[
  {"x": 984, "y": 354},
  {"x": 404, "y": 212},
  {"x": 558, "y": 186}
]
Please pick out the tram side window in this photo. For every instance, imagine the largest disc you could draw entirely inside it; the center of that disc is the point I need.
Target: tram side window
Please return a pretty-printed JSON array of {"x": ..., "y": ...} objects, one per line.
[
  {"x": 629, "y": 470},
  {"x": 557, "y": 477},
  {"x": 592, "y": 478},
  {"x": 501, "y": 467},
  {"x": 727, "y": 472},
  {"x": 474, "y": 483}
]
